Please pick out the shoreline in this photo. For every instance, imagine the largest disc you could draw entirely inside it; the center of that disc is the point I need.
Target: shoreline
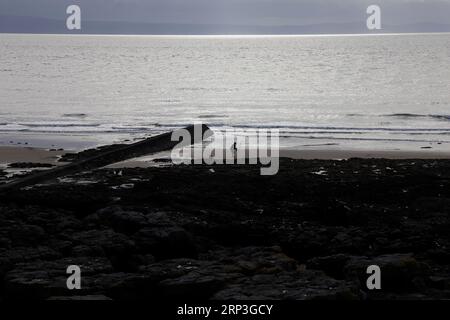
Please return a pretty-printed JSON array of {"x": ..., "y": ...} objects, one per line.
[
  {"x": 17, "y": 154},
  {"x": 231, "y": 35}
]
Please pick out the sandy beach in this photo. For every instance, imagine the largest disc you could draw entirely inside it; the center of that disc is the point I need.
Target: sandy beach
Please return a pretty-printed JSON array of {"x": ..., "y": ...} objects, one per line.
[
  {"x": 27, "y": 154},
  {"x": 16, "y": 154}
]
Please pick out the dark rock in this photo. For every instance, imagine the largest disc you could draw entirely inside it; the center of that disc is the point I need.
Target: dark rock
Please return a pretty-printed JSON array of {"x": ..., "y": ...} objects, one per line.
[
  {"x": 166, "y": 242},
  {"x": 121, "y": 220},
  {"x": 331, "y": 265},
  {"x": 121, "y": 286},
  {"x": 399, "y": 272},
  {"x": 194, "y": 285},
  {"x": 305, "y": 285},
  {"x": 87, "y": 251},
  {"x": 25, "y": 254},
  {"x": 80, "y": 298},
  {"x": 41, "y": 280},
  {"x": 306, "y": 244},
  {"x": 28, "y": 165},
  {"x": 440, "y": 255},
  {"x": 111, "y": 242},
  {"x": 173, "y": 268},
  {"x": 116, "y": 246},
  {"x": 26, "y": 235},
  {"x": 441, "y": 282},
  {"x": 33, "y": 285},
  {"x": 295, "y": 235}
]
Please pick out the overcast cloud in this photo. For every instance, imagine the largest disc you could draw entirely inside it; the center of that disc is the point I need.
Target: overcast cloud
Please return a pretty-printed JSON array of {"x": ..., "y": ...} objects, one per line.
[
  {"x": 255, "y": 12},
  {"x": 237, "y": 14}
]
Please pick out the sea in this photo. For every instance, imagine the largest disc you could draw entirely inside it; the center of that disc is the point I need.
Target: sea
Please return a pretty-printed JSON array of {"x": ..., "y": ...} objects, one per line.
[{"x": 361, "y": 92}]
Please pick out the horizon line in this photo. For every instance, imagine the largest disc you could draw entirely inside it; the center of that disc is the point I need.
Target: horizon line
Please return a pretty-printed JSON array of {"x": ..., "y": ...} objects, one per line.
[{"x": 233, "y": 35}]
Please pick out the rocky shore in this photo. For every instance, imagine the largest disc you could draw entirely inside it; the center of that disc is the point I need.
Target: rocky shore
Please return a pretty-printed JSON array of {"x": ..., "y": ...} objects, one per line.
[{"x": 225, "y": 232}]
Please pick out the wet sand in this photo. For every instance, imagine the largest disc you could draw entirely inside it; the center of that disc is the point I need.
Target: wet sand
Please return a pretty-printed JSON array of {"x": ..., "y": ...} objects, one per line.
[
  {"x": 16, "y": 154},
  {"x": 28, "y": 154}
]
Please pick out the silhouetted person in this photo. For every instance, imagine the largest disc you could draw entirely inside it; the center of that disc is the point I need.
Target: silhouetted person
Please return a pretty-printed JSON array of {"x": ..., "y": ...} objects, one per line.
[{"x": 234, "y": 150}]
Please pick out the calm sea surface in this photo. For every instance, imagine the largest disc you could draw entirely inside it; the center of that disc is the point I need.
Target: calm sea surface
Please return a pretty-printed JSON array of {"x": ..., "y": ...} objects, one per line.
[{"x": 362, "y": 92}]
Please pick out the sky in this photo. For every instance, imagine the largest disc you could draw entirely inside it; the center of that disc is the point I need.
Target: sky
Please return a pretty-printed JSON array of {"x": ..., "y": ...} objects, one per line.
[{"x": 236, "y": 12}]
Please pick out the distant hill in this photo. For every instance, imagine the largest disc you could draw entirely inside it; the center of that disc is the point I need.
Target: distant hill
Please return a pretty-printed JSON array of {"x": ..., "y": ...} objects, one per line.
[{"x": 16, "y": 24}]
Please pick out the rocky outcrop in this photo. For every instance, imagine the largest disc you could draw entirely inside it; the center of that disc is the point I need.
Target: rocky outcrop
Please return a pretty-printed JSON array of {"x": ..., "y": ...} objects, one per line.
[{"x": 187, "y": 232}]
